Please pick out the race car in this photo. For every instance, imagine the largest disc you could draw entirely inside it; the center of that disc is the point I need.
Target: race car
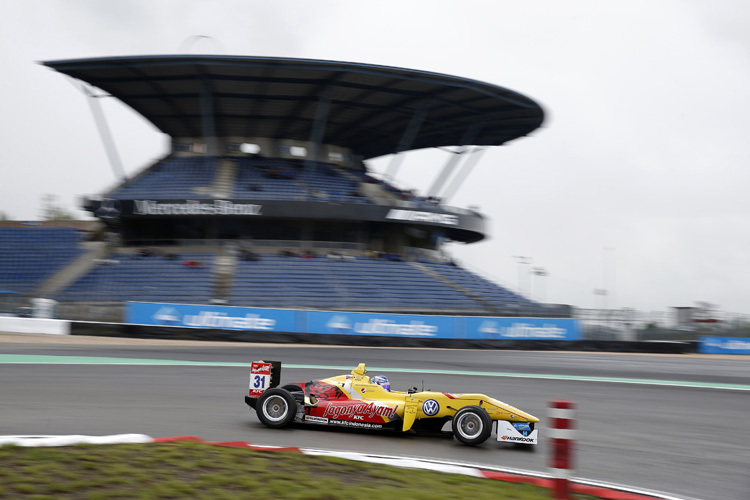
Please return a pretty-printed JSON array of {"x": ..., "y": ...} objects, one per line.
[{"x": 359, "y": 401}]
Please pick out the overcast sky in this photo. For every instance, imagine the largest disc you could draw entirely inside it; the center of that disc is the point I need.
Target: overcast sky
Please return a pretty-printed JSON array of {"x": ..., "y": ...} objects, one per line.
[{"x": 637, "y": 183}]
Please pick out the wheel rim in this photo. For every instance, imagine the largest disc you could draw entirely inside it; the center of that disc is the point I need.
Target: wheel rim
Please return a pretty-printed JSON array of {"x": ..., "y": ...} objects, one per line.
[
  {"x": 275, "y": 408},
  {"x": 470, "y": 425}
]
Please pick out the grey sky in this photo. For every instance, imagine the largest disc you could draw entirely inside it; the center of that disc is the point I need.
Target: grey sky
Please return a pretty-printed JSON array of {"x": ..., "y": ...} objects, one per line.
[{"x": 636, "y": 183}]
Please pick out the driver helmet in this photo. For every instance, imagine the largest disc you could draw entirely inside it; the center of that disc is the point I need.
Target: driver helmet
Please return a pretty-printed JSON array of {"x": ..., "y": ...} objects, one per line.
[{"x": 382, "y": 381}]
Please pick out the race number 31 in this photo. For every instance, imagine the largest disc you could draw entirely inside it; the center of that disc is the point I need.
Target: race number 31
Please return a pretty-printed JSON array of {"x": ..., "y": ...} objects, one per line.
[{"x": 260, "y": 378}]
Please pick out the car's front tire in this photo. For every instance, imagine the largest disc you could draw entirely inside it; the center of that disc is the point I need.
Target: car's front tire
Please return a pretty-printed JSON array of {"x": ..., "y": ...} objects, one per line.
[
  {"x": 276, "y": 408},
  {"x": 472, "y": 425}
]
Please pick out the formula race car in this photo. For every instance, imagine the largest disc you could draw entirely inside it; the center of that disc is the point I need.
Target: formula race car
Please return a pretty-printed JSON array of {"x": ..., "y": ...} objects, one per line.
[{"x": 359, "y": 401}]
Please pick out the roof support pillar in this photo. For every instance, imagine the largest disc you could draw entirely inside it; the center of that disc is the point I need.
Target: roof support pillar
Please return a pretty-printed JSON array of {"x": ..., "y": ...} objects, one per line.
[
  {"x": 317, "y": 132},
  {"x": 208, "y": 119},
  {"x": 469, "y": 135},
  {"x": 407, "y": 139},
  {"x": 474, "y": 156},
  {"x": 106, "y": 135}
]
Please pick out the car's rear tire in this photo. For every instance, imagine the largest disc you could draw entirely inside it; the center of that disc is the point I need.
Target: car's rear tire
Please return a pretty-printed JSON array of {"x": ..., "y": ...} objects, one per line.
[
  {"x": 472, "y": 425},
  {"x": 276, "y": 408}
]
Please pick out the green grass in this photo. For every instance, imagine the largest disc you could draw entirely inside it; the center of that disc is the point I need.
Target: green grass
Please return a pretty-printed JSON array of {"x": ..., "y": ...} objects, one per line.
[{"x": 201, "y": 471}]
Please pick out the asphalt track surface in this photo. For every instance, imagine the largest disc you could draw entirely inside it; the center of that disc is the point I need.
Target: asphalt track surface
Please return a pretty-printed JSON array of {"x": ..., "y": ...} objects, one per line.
[{"x": 689, "y": 437}]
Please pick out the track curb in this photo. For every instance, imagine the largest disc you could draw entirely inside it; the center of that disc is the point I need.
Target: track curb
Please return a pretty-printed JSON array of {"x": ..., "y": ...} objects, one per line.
[{"x": 607, "y": 491}]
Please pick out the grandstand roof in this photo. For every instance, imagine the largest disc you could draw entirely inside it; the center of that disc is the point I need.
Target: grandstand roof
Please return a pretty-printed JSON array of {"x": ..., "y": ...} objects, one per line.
[{"x": 370, "y": 106}]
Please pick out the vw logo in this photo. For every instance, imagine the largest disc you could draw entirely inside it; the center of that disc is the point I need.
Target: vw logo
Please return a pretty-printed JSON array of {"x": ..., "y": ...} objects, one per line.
[{"x": 430, "y": 407}]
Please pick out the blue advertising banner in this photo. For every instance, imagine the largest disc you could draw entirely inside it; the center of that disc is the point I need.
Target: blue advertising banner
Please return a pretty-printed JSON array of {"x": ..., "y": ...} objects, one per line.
[
  {"x": 351, "y": 323},
  {"x": 724, "y": 345},
  {"x": 208, "y": 316},
  {"x": 389, "y": 325},
  {"x": 523, "y": 328}
]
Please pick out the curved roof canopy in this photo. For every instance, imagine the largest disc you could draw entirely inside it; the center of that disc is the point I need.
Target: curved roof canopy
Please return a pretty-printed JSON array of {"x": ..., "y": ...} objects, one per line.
[{"x": 365, "y": 108}]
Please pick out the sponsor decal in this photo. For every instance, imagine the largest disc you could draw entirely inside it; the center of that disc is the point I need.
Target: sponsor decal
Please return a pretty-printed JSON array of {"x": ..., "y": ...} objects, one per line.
[
  {"x": 261, "y": 368},
  {"x": 517, "y": 439},
  {"x": 215, "y": 319},
  {"x": 166, "y": 316},
  {"x": 339, "y": 323},
  {"x": 417, "y": 216},
  {"x": 430, "y": 407},
  {"x": 316, "y": 420},
  {"x": 521, "y": 426},
  {"x": 523, "y": 330},
  {"x": 109, "y": 209},
  {"x": 358, "y": 425},
  {"x": 195, "y": 207},
  {"x": 389, "y": 327},
  {"x": 378, "y": 326},
  {"x": 351, "y": 410}
]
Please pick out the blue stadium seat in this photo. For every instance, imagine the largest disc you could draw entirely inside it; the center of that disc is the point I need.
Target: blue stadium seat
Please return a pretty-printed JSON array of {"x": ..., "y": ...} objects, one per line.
[{"x": 28, "y": 256}]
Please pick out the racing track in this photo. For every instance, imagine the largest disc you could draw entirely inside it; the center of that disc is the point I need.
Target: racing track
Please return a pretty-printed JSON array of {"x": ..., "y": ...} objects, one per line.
[{"x": 690, "y": 441}]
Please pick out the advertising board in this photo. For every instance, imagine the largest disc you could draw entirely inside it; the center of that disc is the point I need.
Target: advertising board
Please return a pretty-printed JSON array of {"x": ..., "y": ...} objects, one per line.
[
  {"x": 523, "y": 328},
  {"x": 210, "y": 316},
  {"x": 351, "y": 323},
  {"x": 388, "y": 325},
  {"x": 724, "y": 345}
]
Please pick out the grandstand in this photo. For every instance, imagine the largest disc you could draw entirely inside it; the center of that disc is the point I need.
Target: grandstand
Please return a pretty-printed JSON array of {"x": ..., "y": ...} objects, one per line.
[{"x": 265, "y": 198}]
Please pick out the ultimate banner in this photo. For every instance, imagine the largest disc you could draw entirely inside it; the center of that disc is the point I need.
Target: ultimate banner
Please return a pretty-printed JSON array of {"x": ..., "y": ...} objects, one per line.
[{"x": 351, "y": 323}]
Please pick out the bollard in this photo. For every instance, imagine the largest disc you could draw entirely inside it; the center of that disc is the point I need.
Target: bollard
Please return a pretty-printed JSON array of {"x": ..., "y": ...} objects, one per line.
[{"x": 562, "y": 435}]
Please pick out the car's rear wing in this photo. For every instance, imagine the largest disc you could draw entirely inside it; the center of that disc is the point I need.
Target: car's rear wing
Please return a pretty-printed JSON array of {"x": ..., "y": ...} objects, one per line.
[{"x": 264, "y": 375}]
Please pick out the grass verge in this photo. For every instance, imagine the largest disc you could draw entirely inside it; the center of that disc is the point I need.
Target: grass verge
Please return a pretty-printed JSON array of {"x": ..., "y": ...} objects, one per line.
[{"x": 202, "y": 471}]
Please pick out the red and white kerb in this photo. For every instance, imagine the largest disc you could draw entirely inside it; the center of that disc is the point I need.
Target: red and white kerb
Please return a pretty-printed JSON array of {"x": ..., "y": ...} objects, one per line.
[{"x": 561, "y": 431}]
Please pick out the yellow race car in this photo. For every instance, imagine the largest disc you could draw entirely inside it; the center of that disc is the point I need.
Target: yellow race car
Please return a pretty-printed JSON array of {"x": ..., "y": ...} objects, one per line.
[{"x": 359, "y": 401}]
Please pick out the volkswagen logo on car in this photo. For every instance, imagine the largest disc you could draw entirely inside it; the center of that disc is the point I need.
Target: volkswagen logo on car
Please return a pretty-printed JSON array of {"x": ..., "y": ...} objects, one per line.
[{"x": 430, "y": 407}]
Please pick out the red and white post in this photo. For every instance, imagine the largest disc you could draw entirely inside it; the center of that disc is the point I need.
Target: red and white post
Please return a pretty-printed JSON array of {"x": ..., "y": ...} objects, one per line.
[{"x": 562, "y": 436}]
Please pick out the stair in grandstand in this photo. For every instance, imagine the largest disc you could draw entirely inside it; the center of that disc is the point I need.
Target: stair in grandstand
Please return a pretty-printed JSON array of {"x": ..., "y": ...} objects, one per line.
[
  {"x": 159, "y": 276},
  {"x": 96, "y": 252},
  {"x": 453, "y": 285},
  {"x": 223, "y": 182},
  {"x": 224, "y": 265}
]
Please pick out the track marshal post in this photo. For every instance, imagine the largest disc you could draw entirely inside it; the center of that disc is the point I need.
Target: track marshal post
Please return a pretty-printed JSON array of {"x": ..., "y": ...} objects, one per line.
[{"x": 562, "y": 435}]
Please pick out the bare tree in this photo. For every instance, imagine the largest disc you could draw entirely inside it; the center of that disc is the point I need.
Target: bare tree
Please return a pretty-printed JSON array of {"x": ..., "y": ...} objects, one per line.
[{"x": 52, "y": 209}]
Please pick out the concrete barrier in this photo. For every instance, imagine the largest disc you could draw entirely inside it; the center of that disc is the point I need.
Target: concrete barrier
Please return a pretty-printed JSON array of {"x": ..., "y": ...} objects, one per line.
[{"x": 12, "y": 324}]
